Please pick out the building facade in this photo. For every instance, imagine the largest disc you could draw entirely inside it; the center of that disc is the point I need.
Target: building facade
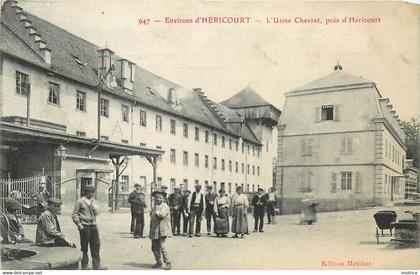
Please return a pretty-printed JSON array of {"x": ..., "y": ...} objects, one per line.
[
  {"x": 411, "y": 180},
  {"x": 84, "y": 115},
  {"x": 342, "y": 143}
]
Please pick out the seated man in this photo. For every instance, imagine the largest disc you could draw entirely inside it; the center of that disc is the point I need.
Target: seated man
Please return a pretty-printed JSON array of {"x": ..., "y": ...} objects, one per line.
[
  {"x": 48, "y": 232},
  {"x": 11, "y": 228}
]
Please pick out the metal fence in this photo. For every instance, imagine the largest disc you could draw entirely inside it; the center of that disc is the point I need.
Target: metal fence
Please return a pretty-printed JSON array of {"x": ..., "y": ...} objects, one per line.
[{"x": 21, "y": 190}]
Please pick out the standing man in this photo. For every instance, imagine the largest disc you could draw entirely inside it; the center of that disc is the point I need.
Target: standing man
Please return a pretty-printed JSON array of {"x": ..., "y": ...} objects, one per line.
[
  {"x": 164, "y": 190},
  {"x": 196, "y": 206},
  {"x": 84, "y": 216},
  {"x": 137, "y": 199},
  {"x": 259, "y": 202},
  {"x": 175, "y": 205},
  {"x": 48, "y": 231},
  {"x": 160, "y": 230},
  {"x": 210, "y": 196},
  {"x": 185, "y": 212},
  {"x": 271, "y": 203}
]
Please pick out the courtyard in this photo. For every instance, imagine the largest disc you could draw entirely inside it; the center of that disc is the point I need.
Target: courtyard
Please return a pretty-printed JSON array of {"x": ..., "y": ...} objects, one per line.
[{"x": 339, "y": 240}]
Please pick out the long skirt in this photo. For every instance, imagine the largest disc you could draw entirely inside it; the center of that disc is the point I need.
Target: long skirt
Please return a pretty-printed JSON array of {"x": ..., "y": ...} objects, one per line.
[
  {"x": 240, "y": 221},
  {"x": 221, "y": 225}
]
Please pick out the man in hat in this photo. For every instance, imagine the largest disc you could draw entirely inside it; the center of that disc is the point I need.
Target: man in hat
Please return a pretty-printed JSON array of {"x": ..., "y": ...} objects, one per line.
[
  {"x": 259, "y": 202},
  {"x": 160, "y": 229},
  {"x": 164, "y": 189},
  {"x": 84, "y": 216},
  {"x": 48, "y": 231},
  {"x": 185, "y": 214},
  {"x": 137, "y": 199},
  {"x": 196, "y": 205},
  {"x": 11, "y": 227},
  {"x": 175, "y": 205},
  {"x": 271, "y": 203},
  {"x": 210, "y": 196}
]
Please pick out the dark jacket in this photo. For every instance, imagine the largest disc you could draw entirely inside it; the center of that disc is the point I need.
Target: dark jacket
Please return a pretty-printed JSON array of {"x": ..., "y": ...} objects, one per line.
[
  {"x": 137, "y": 201},
  {"x": 176, "y": 201},
  {"x": 210, "y": 201},
  {"x": 259, "y": 202},
  {"x": 201, "y": 204}
]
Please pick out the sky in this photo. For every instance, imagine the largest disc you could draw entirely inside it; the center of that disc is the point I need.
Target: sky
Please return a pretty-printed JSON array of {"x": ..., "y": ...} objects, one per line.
[{"x": 222, "y": 59}]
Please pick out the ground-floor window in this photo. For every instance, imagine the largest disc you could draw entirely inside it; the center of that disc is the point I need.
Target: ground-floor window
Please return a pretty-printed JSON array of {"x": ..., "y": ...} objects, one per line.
[{"x": 346, "y": 180}]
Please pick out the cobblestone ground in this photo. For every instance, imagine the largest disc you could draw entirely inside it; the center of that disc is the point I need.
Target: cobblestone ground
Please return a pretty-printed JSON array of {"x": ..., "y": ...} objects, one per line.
[{"x": 337, "y": 237}]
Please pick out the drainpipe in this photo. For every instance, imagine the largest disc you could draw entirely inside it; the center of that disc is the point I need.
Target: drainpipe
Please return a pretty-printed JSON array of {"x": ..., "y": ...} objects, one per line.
[{"x": 28, "y": 104}]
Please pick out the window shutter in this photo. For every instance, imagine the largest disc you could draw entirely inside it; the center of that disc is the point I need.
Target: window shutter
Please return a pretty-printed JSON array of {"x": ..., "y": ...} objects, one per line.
[
  {"x": 309, "y": 180},
  {"x": 358, "y": 188},
  {"x": 350, "y": 145},
  {"x": 302, "y": 182},
  {"x": 309, "y": 146},
  {"x": 317, "y": 117},
  {"x": 302, "y": 146},
  {"x": 333, "y": 182},
  {"x": 336, "y": 112},
  {"x": 343, "y": 144}
]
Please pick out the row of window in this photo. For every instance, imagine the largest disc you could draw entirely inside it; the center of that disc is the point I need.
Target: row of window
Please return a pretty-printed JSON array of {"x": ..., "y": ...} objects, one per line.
[
  {"x": 307, "y": 146},
  {"x": 22, "y": 88},
  {"x": 393, "y": 154},
  {"x": 343, "y": 181},
  {"x": 185, "y": 160}
]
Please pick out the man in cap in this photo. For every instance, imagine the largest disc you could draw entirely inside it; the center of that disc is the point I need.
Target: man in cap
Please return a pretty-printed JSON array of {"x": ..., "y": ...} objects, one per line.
[
  {"x": 11, "y": 227},
  {"x": 48, "y": 231},
  {"x": 164, "y": 190},
  {"x": 210, "y": 196},
  {"x": 196, "y": 205},
  {"x": 160, "y": 229},
  {"x": 175, "y": 205},
  {"x": 84, "y": 216},
  {"x": 259, "y": 202},
  {"x": 137, "y": 199},
  {"x": 185, "y": 212}
]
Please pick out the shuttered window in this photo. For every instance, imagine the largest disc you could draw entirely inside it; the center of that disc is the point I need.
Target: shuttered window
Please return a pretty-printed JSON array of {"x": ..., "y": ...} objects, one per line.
[
  {"x": 346, "y": 145},
  {"x": 358, "y": 180},
  {"x": 327, "y": 113},
  {"x": 306, "y": 146}
]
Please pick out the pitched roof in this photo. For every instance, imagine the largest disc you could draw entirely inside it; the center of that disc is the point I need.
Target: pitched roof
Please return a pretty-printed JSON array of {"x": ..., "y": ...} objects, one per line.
[
  {"x": 337, "y": 78},
  {"x": 76, "y": 58},
  {"x": 247, "y": 97}
]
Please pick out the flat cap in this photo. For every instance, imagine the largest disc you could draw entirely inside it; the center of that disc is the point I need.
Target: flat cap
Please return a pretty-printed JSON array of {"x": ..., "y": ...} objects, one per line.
[
  {"x": 55, "y": 201},
  {"x": 12, "y": 204}
]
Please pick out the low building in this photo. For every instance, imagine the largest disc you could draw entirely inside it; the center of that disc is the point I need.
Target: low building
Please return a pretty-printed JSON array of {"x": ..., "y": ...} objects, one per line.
[
  {"x": 411, "y": 180},
  {"x": 340, "y": 141}
]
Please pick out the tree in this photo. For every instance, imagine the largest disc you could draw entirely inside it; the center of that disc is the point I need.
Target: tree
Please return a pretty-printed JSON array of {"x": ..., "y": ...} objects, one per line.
[{"x": 411, "y": 130}]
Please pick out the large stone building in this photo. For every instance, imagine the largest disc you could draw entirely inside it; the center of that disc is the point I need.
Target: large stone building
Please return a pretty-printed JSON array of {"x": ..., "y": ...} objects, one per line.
[
  {"x": 84, "y": 115},
  {"x": 341, "y": 141}
]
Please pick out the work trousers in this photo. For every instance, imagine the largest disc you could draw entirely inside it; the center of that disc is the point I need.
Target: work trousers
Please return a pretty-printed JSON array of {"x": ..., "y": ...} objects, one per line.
[
  {"x": 176, "y": 220},
  {"x": 185, "y": 222},
  {"x": 89, "y": 236},
  {"x": 259, "y": 218},
  {"x": 137, "y": 224},
  {"x": 209, "y": 217},
  {"x": 271, "y": 214},
  {"x": 195, "y": 213},
  {"x": 159, "y": 250}
]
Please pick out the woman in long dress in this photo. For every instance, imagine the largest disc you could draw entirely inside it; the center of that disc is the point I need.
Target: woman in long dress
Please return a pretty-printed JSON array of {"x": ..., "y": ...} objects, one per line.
[
  {"x": 221, "y": 209},
  {"x": 240, "y": 205}
]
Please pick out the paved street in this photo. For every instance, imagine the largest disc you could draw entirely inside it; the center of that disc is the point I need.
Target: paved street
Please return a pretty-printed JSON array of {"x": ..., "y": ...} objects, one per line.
[{"x": 336, "y": 238}]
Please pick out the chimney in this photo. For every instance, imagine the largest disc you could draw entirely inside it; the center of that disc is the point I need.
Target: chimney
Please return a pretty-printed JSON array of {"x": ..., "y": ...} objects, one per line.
[
  {"x": 105, "y": 63},
  {"x": 338, "y": 67},
  {"x": 127, "y": 75}
]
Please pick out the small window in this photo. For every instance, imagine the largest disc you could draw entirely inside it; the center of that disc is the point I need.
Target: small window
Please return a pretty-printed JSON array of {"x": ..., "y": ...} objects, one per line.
[
  {"x": 80, "y": 134},
  {"x": 230, "y": 144},
  {"x": 124, "y": 184},
  {"x": 215, "y": 163},
  {"x": 197, "y": 133},
  {"x": 159, "y": 158},
  {"x": 54, "y": 93},
  {"x": 143, "y": 118},
  {"x": 185, "y": 158},
  {"x": 243, "y": 147},
  {"x": 236, "y": 167},
  {"x": 247, "y": 169},
  {"x": 248, "y": 149},
  {"x": 172, "y": 185},
  {"x": 258, "y": 170},
  {"x": 22, "y": 83},
  {"x": 206, "y": 161},
  {"x": 346, "y": 180},
  {"x": 223, "y": 141},
  {"x": 124, "y": 141},
  {"x": 206, "y": 136},
  {"x": 230, "y": 166},
  {"x": 158, "y": 123},
  {"x": 237, "y": 145},
  {"x": 215, "y": 139},
  {"x": 142, "y": 144},
  {"x": 230, "y": 187},
  {"x": 105, "y": 138},
  {"x": 243, "y": 168},
  {"x": 172, "y": 156},
  {"x": 81, "y": 101},
  {"x": 185, "y": 130},
  {"x": 185, "y": 184},
  {"x": 125, "y": 113},
  {"x": 173, "y": 127},
  {"x": 253, "y": 169},
  {"x": 327, "y": 112},
  {"x": 104, "y": 107},
  {"x": 223, "y": 165},
  {"x": 196, "y": 160}
]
